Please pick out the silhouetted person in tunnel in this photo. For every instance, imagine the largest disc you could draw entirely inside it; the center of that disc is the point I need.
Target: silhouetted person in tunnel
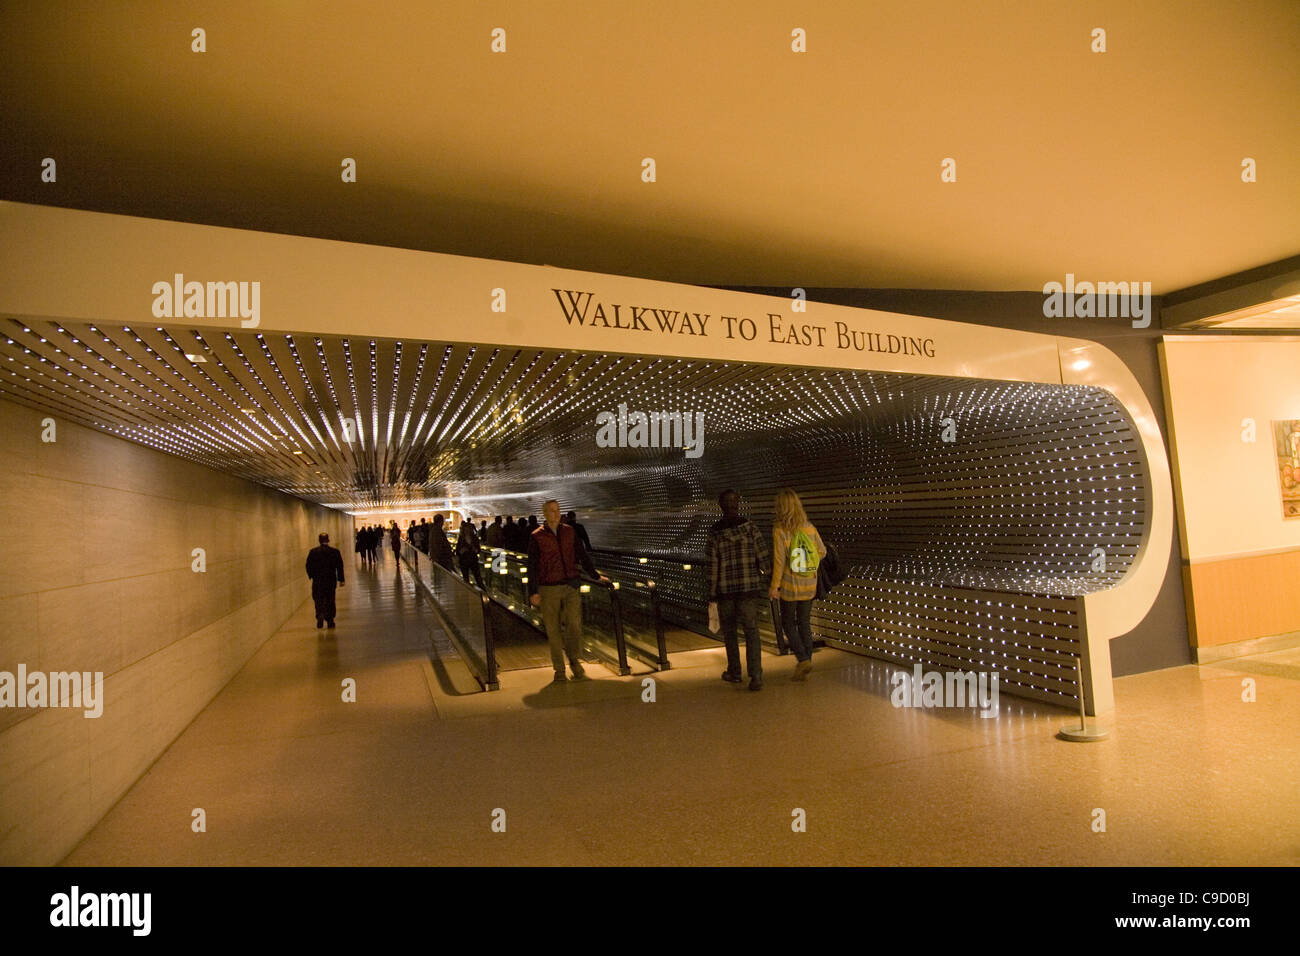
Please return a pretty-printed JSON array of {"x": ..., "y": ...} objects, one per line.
[
  {"x": 467, "y": 552},
  {"x": 439, "y": 546},
  {"x": 412, "y": 537},
  {"x": 517, "y": 535},
  {"x": 554, "y": 557},
  {"x": 739, "y": 565},
  {"x": 395, "y": 540},
  {"x": 572, "y": 519},
  {"x": 495, "y": 535},
  {"x": 325, "y": 568}
]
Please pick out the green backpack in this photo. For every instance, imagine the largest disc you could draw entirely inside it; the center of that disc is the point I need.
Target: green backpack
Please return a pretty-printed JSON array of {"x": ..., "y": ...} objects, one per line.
[{"x": 803, "y": 554}]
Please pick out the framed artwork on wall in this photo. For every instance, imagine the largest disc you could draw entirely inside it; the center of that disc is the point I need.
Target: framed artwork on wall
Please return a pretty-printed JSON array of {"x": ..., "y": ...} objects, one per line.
[{"x": 1286, "y": 442}]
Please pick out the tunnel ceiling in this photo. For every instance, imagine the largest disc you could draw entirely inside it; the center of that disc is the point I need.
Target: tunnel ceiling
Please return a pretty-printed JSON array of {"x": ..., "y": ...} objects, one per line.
[
  {"x": 1033, "y": 480},
  {"x": 366, "y": 424}
]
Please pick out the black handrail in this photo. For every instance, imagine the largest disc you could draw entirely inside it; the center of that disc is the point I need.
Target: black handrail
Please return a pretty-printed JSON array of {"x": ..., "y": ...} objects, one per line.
[
  {"x": 657, "y": 612},
  {"x": 680, "y": 557},
  {"x": 653, "y": 652},
  {"x": 660, "y": 653},
  {"x": 685, "y": 603},
  {"x": 490, "y": 642},
  {"x": 620, "y": 638},
  {"x": 616, "y": 609}
]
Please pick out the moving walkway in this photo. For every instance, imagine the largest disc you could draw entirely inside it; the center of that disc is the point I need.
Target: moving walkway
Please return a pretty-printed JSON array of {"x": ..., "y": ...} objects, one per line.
[{"x": 622, "y": 619}]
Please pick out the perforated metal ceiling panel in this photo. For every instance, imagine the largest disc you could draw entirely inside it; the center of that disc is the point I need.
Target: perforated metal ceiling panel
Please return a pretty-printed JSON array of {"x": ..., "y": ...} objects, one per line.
[{"x": 951, "y": 481}]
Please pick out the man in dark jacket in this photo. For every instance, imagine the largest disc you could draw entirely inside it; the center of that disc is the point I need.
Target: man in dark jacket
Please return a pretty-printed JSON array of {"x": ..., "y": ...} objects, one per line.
[
  {"x": 740, "y": 560},
  {"x": 325, "y": 568},
  {"x": 439, "y": 545},
  {"x": 572, "y": 518},
  {"x": 511, "y": 539},
  {"x": 554, "y": 557}
]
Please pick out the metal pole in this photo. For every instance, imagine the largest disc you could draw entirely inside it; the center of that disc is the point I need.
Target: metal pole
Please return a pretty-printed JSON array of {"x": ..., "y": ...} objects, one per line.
[{"x": 1082, "y": 734}]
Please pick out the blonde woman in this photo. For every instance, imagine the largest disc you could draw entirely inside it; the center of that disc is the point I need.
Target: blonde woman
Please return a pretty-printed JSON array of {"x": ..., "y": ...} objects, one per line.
[{"x": 797, "y": 549}]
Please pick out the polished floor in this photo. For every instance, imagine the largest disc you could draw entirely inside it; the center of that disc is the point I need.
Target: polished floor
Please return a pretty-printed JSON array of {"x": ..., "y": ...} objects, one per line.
[{"x": 417, "y": 769}]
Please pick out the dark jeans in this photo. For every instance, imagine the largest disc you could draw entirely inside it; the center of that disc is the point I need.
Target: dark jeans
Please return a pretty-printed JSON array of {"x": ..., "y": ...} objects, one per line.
[
  {"x": 743, "y": 610},
  {"x": 797, "y": 624},
  {"x": 468, "y": 565}
]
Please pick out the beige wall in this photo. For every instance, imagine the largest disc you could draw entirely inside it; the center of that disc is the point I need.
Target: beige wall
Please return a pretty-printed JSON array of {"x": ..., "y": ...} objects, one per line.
[
  {"x": 95, "y": 575},
  {"x": 1231, "y": 504},
  {"x": 1239, "y": 554}
]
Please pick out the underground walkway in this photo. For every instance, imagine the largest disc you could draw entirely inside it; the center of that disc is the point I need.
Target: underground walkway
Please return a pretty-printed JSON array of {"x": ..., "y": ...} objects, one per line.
[{"x": 412, "y": 772}]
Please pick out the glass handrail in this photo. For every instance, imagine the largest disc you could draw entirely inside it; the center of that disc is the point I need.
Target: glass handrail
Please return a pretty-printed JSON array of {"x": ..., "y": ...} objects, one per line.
[
  {"x": 506, "y": 574},
  {"x": 620, "y": 617},
  {"x": 681, "y": 587},
  {"x": 461, "y": 607}
]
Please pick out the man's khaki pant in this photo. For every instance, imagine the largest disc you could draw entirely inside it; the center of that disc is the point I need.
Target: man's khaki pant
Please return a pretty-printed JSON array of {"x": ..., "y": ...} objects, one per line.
[{"x": 561, "y": 603}]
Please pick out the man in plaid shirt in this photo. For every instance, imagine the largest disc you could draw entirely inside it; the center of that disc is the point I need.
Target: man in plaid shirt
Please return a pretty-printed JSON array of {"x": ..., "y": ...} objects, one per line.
[{"x": 740, "y": 561}]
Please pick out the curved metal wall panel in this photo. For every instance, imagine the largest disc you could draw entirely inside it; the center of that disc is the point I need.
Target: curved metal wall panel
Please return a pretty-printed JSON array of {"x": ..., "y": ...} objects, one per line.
[
  {"x": 1031, "y": 640},
  {"x": 971, "y": 553},
  {"x": 1039, "y": 490}
]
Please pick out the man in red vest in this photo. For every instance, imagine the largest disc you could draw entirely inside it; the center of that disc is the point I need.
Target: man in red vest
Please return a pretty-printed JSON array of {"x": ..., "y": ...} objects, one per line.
[{"x": 555, "y": 555}]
